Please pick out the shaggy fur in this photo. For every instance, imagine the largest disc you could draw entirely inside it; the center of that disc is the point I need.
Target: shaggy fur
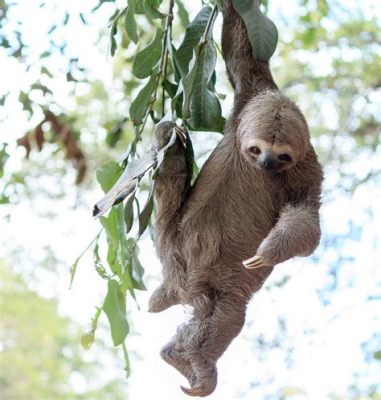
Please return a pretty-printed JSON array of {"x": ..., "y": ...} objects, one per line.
[{"x": 236, "y": 209}]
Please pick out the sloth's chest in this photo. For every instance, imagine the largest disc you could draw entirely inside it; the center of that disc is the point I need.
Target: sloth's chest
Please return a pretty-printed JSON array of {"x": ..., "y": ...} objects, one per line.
[{"x": 234, "y": 213}]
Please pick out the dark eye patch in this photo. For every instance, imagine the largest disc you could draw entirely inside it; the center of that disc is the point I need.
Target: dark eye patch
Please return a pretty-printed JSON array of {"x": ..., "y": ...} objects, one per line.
[
  {"x": 284, "y": 157},
  {"x": 255, "y": 150}
]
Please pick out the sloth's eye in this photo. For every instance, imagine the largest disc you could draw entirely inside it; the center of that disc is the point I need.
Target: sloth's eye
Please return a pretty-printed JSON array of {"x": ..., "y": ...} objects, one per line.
[
  {"x": 255, "y": 150},
  {"x": 284, "y": 158}
]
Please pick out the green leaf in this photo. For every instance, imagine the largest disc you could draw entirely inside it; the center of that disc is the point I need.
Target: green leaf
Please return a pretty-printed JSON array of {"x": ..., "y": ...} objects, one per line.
[
  {"x": 130, "y": 23},
  {"x": 183, "y": 13},
  {"x": 114, "y": 225},
  {"x": 262, "y": 32},
  {"x": 151, "y": 9},
  {"x": 73, "y": 270},
  {"x": 108, "y": 174},
  {"x": 117, "y": 255},
  {"x": 170, "y": 88},
  {"x": 145, "y": 215},
  {"x": 129, "y": 212},
  {"x": 140, "y": 105},
  {"x": 205, "y": 108},
  {"x": 138, "y": 6},
  {"x": 137, "y": 272},
  {"x": 377, "y": 355},
  {"x": 192, "y": 37},
  {"x": 201, "y": 105},
  {"x": 154, "y": 3},
  {"x": 149, "y": 57},
  {"x": 114, "y": 307}
]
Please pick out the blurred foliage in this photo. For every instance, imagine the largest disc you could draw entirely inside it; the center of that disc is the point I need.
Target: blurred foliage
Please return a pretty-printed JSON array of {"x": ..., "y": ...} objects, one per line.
[
  {"x": 40, "y": 356},
  {"x": 328, "y": 61}
]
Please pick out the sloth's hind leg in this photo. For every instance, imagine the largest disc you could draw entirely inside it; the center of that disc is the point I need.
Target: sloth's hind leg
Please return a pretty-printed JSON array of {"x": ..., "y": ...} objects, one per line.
[{"x": 214, "y": 332}]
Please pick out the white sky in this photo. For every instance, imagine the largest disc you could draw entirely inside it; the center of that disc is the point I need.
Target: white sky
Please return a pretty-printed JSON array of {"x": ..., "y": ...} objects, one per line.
[{"x": 324, "y": 360}]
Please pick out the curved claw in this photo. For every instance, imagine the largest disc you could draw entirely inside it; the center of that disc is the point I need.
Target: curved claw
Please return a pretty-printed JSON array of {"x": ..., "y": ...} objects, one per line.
[
  {"x": 197, "y": 391},
  {"x": 254, "y": 263}
]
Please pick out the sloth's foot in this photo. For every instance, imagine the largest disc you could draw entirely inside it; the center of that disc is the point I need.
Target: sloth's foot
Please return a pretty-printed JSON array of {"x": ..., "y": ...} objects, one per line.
[
  {"x": 161, "y": 299},
  {"x": 204, "y": 379},
  {"x": 175, "y": 357},
  {"x": 199, "y": 371},
  {"x": 254, "y": 262}
]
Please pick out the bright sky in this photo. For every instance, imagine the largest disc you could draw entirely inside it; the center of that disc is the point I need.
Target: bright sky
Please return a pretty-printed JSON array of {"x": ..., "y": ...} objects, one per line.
[{"x": 324, "y": 361}]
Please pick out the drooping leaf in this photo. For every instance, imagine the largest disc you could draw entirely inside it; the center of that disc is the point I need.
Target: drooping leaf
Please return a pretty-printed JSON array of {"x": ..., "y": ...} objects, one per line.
[
  {"x": 138, "y": 6},
  {"x": 154, "y": 3},
  {"x": 114, "y": 307},
  {"x": 170, "y": 88},
  {"x": 137, "y": 272},
  {"x": 140, "y": 105},
  {"x": 183, "y": 13},
  {"x": 151, "y": 9},
  {"x": 149, "y": 57},
  {"x": 129, "y": 212},
  {"x": 262, "y": 32},
  {"x": 114, "y": 226},
  {"x": 205, "y": 108},
  {"x": 201, "y": 106},
  {"x": 108, "y": 174},
  {"x": 145, "y": 215},
  {"x": 130, "y": 23},
  {"x": 73, "y": 270},
  {"x": 192, "y": 37}
]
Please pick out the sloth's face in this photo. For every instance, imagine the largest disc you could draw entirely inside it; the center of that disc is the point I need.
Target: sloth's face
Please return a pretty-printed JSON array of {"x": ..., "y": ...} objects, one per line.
[{"x": 272, "y": 157}]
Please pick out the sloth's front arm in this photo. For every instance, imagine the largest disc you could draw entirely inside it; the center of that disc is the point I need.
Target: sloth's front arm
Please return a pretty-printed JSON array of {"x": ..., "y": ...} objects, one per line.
[{"x": 296, "y": 233}]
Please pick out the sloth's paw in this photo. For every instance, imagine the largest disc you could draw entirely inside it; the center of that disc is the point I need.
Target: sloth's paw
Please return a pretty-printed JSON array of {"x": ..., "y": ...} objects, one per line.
[
  {"x": 163, "y": 133},
  {"x": 255, "y": 262},
  {"x": 162, "y": 299},
  {"x": 204, "y": 379}
]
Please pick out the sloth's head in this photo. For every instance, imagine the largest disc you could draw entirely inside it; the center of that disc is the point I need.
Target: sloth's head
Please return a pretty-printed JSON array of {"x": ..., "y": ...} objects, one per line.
[{"x": 272, "y": 132}]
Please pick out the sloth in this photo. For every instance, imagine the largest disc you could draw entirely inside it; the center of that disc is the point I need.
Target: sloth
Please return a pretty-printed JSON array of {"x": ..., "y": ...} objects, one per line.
[{"x": 255, "y": 204}]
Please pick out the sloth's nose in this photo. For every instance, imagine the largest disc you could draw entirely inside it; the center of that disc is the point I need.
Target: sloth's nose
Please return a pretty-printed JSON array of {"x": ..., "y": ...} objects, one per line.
[{"x": 266, "y": 162}]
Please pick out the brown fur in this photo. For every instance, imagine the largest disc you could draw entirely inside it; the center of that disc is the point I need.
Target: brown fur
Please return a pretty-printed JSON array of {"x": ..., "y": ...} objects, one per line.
[{"x": 234, "y": 210}]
